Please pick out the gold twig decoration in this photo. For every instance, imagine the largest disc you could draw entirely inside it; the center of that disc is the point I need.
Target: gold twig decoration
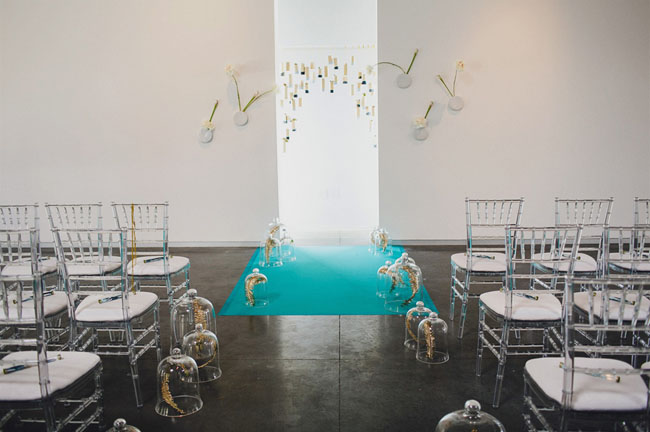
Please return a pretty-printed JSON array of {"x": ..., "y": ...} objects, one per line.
[
  {"x": 167, "y": 395},
  {"x": 383, "y": 270},
  {"x": 413, "y": 282},
  {"x": 274, "y": 230},
  {"x": 200, "y": 341},
  {"x": 199, "y": 317},
  {"x": 408, "y": 326},
  {"x": 250, "y": 285},
  {"x": 429, "y": 339}
]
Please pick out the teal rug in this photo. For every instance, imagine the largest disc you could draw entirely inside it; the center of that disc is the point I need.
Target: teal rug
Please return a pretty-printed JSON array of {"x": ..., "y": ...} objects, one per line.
[{"x": 323, "y": 280}]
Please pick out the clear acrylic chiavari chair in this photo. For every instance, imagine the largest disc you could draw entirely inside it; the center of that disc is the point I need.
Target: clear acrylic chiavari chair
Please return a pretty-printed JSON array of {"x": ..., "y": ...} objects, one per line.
[
  {"x": 641, "y": 211},
  {"x": 34, "y": 381},
  {"x": 593, "y": 216},
  {"x": 628, "y": 249},
  {"x": 107, "y": 303},
  {"x": 520, "y": 319},
  {"x": 20, "y": 217},
  {"x": 17, "y": 259},
  {"x": 484, "y": 261},
  {"x": 594, "y": 386},
  {"x": 150, "y": 260}
]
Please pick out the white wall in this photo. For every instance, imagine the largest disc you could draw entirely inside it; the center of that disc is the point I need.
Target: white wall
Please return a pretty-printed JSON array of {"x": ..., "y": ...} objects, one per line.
[
  {"x": 556, "y": 104},
  {"x": 103, "y": 100}
]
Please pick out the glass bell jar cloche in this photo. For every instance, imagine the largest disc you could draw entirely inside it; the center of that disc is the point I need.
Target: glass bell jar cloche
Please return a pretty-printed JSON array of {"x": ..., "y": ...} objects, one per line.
[
  {"x": 412, "y": 322},
  {"x": 189, "y": 311},
  {"x": 288, "y": 249},
  {"x": 380, "y": 242},
  {"x": 271, "y": 252},
  {"x": 178, "y": 386},
  {"x": 276, "y": 229},
  {"x": 120, "y": 425},
  {"x": 202, "y": 345},
  {"x": 432, "y": 340},
  {"x": 405, "y": 286},
  {"x": 383, "y": 280},
  {"x": 256, "y": 289},
  {"x": 470, "y": 419}
]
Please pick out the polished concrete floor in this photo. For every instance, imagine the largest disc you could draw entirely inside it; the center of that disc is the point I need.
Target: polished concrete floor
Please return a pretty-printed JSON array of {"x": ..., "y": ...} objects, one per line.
[{"x": 320, "y": 373}]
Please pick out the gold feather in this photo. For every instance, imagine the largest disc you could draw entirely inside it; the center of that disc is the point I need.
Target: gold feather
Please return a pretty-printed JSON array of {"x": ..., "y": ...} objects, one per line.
[
  {"x": 268, "y": 247},
  {"x": 408, "y": 326},
  {"x": 274, "y": 230},
  {"x": 413, "y": 282},
  {"x": 383, "y": 270},
  {"x": 167, "y": 395},
  {"x": 429, "y": 339},
  {"x": 250, "y": 285}
]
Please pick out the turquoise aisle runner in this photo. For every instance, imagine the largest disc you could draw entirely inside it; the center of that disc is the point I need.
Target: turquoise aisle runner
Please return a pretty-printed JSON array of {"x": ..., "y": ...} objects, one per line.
[{"x": 324, "y": 280}]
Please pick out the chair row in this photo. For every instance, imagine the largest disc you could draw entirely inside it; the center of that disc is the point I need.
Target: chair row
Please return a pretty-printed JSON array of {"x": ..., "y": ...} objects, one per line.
[{"x": 483, "y": 263}]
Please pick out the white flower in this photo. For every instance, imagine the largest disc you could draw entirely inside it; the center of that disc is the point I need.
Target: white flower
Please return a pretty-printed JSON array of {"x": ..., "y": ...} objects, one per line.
[
  {"x": 208, "y": 125},
  {"x": 460, "y": 66},
  {"x": 370, "y": 70},
  {"x": 230, "y": 70},
  {"x": 420, "y": 122}
]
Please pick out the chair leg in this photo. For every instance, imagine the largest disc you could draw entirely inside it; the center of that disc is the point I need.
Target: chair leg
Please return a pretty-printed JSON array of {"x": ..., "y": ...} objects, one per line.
[
  {"x": 503, "y": 354},
  {"x": 479, "y": 345},
  {"x": 100, "y": 399},
  {"x": 133, "y": 364},
  {"x": 452, "y": 293},
  {"x": 156, "y": 317},
  {"x": 50, "y": 418},
  {"x": 463, "y": 310}
]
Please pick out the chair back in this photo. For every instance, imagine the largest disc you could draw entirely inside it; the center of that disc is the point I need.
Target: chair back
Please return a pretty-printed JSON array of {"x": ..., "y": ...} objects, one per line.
[
  {"x": 19, "y": 248},
  {"x": 624, "y": 311},
  {"x": 641, "y": 211},
  {"x": 536, "y": 256},
  {"x": 19, "y": 217},
  {"x": 74, "y": 216},
  {"x": 146, "y": 225},
  {"x": 485, "y": 222},
  {"x": 628, "y": 249}
]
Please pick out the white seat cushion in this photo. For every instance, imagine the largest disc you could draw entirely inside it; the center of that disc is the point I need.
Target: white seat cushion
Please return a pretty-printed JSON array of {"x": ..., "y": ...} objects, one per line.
[
  {"x": 584, "y": 264},
  {"x": 46, "y": 266},
  {"x": 156, "y": 268},
  {"x": 108, "y": 265},
  {"x": 23, "y": 385},
  {"x": 590, "y": 393},
  {"x": 624, "y": 261},
  {"x": 546, "y": 308},
  {"x": 495, "y": 264},
  {"x": 90, "y": 310},
  {"x": 581, "y": 300},
  {"x": 52, "y": 305}
]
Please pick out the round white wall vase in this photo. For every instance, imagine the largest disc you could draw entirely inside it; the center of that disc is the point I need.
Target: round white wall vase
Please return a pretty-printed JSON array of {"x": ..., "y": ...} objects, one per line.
[
  {"x": 240, "y": 118},
  {"x": 205, "y": 135},
  {"x": 421, "y": 134},
  {"x": 403, "y": 81},
  {"x": 456, "y": 103}
]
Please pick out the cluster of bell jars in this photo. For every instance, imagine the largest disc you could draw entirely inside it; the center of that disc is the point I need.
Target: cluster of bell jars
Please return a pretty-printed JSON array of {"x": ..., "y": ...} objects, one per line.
[{"x": 297, "y": 80}]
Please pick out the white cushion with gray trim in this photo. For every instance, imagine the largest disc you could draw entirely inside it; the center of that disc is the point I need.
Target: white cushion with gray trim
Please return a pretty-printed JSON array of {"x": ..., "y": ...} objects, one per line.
[
  {"x": 495, "y": 264},
  {"x": 584, "y": 264},
  {"x": 46, "y": 266},
  {"x": 139, "y": 267},
  {"x": 546, "y": 308},
  {"x": 581, "y": 300},
  {"x": 590, "y": 393},
  {"x": 90, "y": 310},
  {"x": 52, "y": 304},
  {"x": 23, "y": 385},
  {"x": 625, "y": 261}
]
